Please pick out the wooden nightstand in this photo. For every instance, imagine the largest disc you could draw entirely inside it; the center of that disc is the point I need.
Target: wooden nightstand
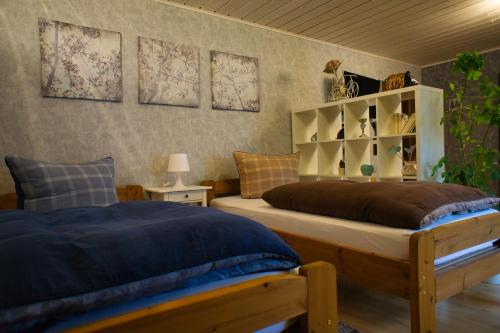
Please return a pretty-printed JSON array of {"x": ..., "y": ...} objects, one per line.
[{"x": 188, "y": 194}]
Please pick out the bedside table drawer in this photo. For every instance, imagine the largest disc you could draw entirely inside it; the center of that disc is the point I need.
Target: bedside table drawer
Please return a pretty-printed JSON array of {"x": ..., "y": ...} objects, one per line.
[{"x": 185, "y": 196}]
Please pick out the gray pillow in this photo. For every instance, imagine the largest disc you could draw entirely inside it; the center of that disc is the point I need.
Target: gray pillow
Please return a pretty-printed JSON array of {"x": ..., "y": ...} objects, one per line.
[{"x": 43, "y": 186}]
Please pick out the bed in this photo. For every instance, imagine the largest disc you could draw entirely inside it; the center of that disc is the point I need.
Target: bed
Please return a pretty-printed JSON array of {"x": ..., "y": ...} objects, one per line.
[
  {"x": 245, "y": 303},
  {"x": 424, "y": 266}
]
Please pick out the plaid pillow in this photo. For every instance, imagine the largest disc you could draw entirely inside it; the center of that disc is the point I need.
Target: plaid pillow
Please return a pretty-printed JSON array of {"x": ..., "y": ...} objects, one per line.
[
  {"x": 259, "y": 173},
  {"x": 43, "y": 186}
]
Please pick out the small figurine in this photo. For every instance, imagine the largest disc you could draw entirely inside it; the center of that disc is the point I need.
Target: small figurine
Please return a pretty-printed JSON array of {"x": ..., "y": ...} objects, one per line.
[
  {"x": 362, "y": 124},
  {"x": 341, "y": 168}
]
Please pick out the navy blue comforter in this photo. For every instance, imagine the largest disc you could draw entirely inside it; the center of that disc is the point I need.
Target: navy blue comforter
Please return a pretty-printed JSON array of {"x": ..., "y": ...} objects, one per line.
[{"x": 73, "y": 260}]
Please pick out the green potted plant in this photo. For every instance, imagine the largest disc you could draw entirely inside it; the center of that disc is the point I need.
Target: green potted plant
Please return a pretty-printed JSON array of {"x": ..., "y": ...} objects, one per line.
[{"x": 471, "y": 119}]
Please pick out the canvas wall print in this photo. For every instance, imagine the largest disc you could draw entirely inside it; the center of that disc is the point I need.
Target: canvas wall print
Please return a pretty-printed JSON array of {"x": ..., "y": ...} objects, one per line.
[
  {"x": 169, "y": 73},
  {"x": 235, "y": 82},
  {"x": 80, "y": 62}
]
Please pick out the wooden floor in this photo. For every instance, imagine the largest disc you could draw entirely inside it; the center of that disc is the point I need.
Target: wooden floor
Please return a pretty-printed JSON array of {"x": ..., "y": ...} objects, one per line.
[{"x": 475, "y": 311}]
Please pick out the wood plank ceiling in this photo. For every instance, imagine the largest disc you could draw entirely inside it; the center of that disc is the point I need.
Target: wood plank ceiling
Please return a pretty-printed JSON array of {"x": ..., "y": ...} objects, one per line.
[{"x": 419, "y": 32}]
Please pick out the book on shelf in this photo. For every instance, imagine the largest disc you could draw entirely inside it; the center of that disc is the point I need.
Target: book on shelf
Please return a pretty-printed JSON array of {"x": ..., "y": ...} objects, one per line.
[{"x": 409, "y": 126}]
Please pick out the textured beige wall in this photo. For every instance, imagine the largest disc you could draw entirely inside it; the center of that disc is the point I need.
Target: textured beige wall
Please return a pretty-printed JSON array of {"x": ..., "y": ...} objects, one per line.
[{"x": 140, "y": 137}]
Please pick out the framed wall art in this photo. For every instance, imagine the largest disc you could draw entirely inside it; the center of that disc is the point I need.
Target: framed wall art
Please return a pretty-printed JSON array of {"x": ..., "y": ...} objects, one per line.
[
  {"x": 169, "y": 73},
  {"x": 235, "y": 82},
  {"x": 80, "y": 62}
]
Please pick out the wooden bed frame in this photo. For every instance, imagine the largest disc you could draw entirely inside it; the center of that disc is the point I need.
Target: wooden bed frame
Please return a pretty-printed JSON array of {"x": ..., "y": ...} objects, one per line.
[
  {"x": 416, "y": 279},
  {"x": 244, "y": 307}
]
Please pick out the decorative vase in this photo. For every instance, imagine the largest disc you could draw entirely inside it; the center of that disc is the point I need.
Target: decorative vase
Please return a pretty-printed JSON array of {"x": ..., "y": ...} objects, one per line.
[
  {"x": 337, "y": 90},
  {"x": 409, "y": 168},
  {"x": 367, "y": 169}
]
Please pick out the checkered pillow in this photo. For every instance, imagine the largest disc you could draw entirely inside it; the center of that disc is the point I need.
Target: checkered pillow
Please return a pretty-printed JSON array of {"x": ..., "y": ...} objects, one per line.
[
  {"x": 259, "y": 173},
  {"x": 43, "y": 186}
]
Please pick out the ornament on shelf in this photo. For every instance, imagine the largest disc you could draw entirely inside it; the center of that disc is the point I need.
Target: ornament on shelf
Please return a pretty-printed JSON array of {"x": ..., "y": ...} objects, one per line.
[
  {"x": 341, "y": 168},
  {"x": 352, "y": 87},
  {"x": 367, "y": 169},
  {"x": 362, "y": 124},
  {"x": 338, "y": 88},
  {"x": 409, "y": 165},
  {"x": 399, "y": 80}
]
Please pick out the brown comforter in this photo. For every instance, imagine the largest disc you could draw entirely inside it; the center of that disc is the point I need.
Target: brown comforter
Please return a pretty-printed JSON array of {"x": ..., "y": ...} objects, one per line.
[{"x": 410, "y": 205}]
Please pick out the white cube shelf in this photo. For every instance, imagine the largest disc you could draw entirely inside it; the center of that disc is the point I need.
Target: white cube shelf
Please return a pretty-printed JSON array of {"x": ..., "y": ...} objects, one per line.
[{"x": 321, "y": 158}]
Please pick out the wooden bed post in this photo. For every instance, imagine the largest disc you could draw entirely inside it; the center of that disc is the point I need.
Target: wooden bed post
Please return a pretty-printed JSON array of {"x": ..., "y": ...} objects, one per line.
[
  {"x": 321, "y": 316},
  {"x": 422, "y": 283},
  {"x": 221, "y": 188}
]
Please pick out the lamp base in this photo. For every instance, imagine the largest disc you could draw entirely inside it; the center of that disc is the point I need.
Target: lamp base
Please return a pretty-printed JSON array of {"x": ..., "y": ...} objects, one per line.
[{"x": 178, "y": 181}]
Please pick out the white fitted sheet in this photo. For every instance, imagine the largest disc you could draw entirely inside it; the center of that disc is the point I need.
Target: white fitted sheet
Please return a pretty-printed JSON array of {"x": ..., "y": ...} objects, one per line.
[{"x": 382, "y": 240}]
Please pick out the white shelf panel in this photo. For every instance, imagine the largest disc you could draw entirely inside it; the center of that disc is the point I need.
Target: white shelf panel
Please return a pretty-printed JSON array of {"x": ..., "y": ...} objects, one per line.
[
  {"x": 396, "y": 136},
  {"x": 361, "y": 139},
  {"x": 301, "y": 112},
  {"x": 360, "y": 178},
  {"x": 306, "y": 143},
  {"x": 335, "y": 176},
  {"x": 406, "y": 93},
  {"x": 334, "y": 140},
  {"x": 399, "y": 178},
  {"x": 308, "y": 175}
]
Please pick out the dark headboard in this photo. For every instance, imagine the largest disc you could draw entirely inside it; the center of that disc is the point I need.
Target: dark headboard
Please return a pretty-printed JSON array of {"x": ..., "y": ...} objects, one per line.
[{"x": 222, "y": 188}]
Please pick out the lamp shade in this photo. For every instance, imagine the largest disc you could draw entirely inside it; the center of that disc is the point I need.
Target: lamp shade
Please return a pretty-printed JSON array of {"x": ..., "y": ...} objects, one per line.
[{"x": 178, "y": 163}]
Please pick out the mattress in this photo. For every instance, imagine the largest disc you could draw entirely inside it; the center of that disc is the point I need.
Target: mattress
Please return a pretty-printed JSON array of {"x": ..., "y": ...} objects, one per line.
[
  {"x": 381, "y": 240},
  {"x": 92, "y": 316}
]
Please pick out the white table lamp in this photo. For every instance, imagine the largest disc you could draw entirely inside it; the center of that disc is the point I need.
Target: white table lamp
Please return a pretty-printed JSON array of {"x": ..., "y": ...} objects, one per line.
[{"x": 178, "y": 163}]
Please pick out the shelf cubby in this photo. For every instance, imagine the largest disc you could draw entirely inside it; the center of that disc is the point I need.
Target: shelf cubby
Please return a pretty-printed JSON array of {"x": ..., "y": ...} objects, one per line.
[
  {"x": 387, "y": 107},
  {"x": 329, "y": 156},
  {"x": 329, "y": 122},
  {"x": 308, "y": 162},
  {"x": 352, "y": 113},
  {"x": 357, "y": 153},
  {"x": 390, "y": 165},
  {"x": 304, "y": 125}
]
